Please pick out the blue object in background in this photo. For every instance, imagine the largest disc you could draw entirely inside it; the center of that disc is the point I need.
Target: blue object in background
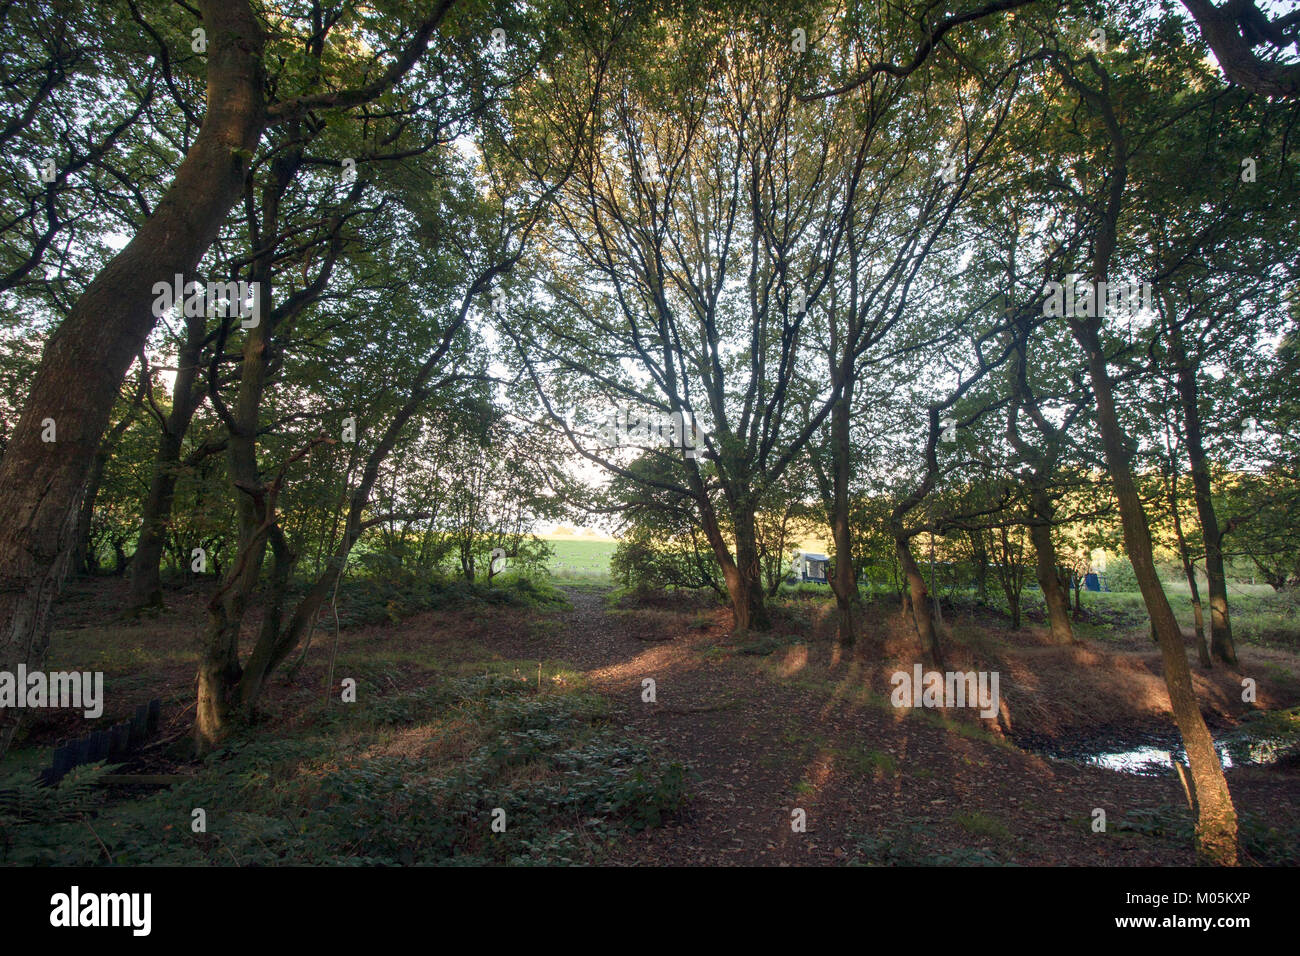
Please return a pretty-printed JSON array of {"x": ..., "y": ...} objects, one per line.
[{"x": 1091, "y": 582}]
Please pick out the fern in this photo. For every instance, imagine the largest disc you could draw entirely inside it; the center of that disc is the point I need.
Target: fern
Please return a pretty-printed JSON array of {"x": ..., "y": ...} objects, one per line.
[{"x": 27, "y": 800}]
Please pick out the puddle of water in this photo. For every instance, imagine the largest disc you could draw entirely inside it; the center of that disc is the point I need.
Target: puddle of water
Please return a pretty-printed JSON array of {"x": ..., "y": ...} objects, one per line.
[
  {"x": 1150, "y": 755},
  {"x": 1145, "y": 760}
]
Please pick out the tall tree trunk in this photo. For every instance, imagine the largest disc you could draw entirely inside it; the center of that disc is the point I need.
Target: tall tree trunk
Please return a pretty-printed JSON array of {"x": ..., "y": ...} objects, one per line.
[
  {"x": 1216, "y": 824},
  {"x": 87, "y": 357},
  {"x": 848, "y": 602},
  {"x": 741, "y": 574},
  {"x": 219, "y": 669},
  {"x": 274, "y": 642},
  {"x": 1054, "y": 596},
  {"x": 146, "y": 580},
  {"x": 1216, "y": 817},
  {"x": 1189, "y": 569},
  {"x": 1198, "y": 615},
  {"x": 81, "y": 560},
  {"x": 844, "y": 582},
  {"x": 1221, "y": 643},
  {"x": 1013, "y": 603}
]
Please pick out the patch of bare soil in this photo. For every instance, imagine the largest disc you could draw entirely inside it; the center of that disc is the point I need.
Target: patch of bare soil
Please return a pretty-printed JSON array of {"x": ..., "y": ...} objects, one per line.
[{"x": 809, "y": 728}]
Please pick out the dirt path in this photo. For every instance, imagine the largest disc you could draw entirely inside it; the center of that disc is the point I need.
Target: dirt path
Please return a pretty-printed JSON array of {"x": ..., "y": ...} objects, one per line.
[
  {"x": 711, "y": 719},
  {"x": 761, "y": 743}
]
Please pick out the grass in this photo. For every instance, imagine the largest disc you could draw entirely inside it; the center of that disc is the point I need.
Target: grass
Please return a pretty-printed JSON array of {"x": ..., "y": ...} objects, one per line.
[
  {"x": 866, "y": 763},
  {"x": 580, "y": 562},
  {"x": 1260, "y": 615},
  {"x": 912, "y": 846},
  {"x": 982, "y": 825}
]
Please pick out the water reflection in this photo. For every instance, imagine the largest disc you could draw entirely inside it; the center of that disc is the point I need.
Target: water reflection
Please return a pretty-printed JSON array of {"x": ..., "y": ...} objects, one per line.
[
  {"x": 1147, "y": 761},
  {"x": 1156, "y": 758}
]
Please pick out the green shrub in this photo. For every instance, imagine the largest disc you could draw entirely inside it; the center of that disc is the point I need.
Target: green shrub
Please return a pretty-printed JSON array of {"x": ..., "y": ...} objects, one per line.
[{"x": 1119, "y": 574}]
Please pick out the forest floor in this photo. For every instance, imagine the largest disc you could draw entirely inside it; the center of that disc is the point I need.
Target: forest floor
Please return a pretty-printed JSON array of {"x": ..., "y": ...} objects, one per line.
[{"x": 770, "y": 724}]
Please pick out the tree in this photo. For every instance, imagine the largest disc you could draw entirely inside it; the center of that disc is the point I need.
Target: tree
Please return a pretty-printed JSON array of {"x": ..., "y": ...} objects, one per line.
[
  {"x": 1234, "y": 30},
  {"x": 1093, "y": 83},
  {"x": 85, "y": 361}
]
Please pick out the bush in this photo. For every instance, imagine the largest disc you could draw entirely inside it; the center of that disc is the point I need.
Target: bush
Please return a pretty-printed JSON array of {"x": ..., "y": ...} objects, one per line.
[
  {"x": 383, "y": 591},
  {"x": 1119, "y": 574},
  {"x": 643, "y": 565}
]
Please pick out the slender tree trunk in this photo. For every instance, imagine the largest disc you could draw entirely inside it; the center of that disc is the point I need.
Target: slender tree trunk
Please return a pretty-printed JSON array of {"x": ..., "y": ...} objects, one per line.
[
  {"x": 980, "y": 557},
  {"x": 936, "y": 606},
  {"x": 1013, "y": 602},
  {"x": 219, "y": 669},
  {"x": 81, "y": 559},
  {"x": 81, "y": 562},
  {"x": 146, "y": 579},
  {"x": 81, "y": 554},
  {"x": 1054, "y": 596},
  {"x": 844, "y": 582},
  {"x": 1216, "y": 825},
  {"x": 273, "y": 641},
  {"x": 1189, "y": 569},
  {"x": 87, "y": 357},
  {"x": 120, "y": 560},
  {"x": 1221, "y": 643},
  {"x": 1198, "y": 616}
]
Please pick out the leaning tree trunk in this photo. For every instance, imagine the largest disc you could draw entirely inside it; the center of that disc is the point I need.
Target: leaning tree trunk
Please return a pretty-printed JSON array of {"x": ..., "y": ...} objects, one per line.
[
  {"x": 82, "y": 563},
  {"x": 82, "y": 560},
  {"x": 1221, "y": 643},
  {"x": 87, "y": 357},
  {"x": 275, "y": 642},
  {"x": 1216, "y": 823}
]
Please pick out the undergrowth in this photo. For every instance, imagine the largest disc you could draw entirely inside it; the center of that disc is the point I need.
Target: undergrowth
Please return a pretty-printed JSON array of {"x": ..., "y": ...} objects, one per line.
[{"x": 409, "y": 779}]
